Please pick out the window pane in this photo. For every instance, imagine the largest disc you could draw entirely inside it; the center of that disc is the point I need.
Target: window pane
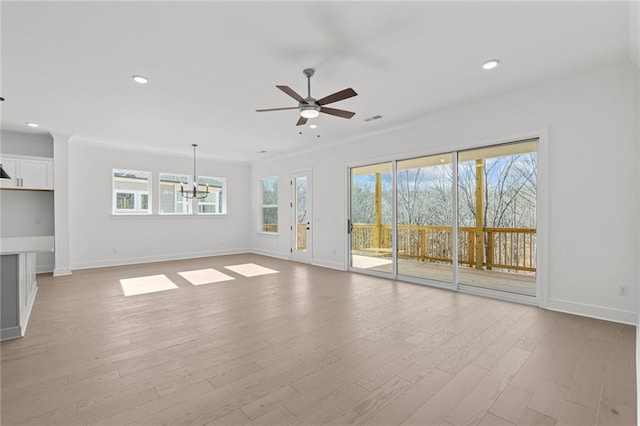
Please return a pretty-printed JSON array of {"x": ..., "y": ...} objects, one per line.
[
  {"x": 125, "y": 201},
  {"x": 214, "y": 202},
  {"x": 425, "y": 217},
  {"x": 270, "y": 191},
  {"x": 372, "y": 213},
  {"x": 206, "y": 208},
  {"x": 497, "y": 217},
  {"x": 269, "y": 199},
  {"x": 131, "y": 191},
  {"x": 171, "y": 200},
  {"x": 270, "y": 219}
]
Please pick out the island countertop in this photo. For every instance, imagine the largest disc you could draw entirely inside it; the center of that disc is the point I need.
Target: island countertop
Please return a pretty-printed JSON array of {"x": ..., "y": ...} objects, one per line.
[{"x": 17, "y": 245}]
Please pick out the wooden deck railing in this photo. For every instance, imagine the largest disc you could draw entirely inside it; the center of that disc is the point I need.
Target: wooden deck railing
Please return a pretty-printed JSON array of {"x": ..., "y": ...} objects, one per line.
[
  {"x": 270, "y": 227},
  {"x": 507, "y": 249},
  {"x": 301, "y": 234}
]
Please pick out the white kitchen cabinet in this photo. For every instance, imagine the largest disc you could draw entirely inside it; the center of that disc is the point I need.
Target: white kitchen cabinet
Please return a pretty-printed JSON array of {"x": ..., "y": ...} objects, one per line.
[{"x": 34, "y": 173}]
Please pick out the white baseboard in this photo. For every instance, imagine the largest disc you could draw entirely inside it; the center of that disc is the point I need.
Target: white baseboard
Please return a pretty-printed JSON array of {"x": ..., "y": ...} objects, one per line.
[
  {"x": 10, "y": 333},
  {"x": 150, "y": 259},
  {"x": 593, "y": 311},
  {"x": 316, "y": 262},
  {"x": 329, "y": 264},
  {"x": 59, "y": 272},
  {"x": 277, "y": 255}
]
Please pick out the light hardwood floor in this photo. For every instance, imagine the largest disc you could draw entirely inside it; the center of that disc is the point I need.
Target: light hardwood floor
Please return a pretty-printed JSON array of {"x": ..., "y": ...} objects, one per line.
[{"x": 306, "y": 346}]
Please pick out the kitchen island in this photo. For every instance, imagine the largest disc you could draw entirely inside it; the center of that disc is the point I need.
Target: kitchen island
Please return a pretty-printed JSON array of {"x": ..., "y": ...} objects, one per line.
[{"x": 18, "y": 283}]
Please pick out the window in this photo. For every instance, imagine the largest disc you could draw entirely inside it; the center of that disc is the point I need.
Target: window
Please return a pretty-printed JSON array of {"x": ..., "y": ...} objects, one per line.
[
  {"x": 216, "y": 201},
  {"x": 131, "y": 191},
  {"x": 269, "y": 202},
  {"x": 171, "y": 201}
]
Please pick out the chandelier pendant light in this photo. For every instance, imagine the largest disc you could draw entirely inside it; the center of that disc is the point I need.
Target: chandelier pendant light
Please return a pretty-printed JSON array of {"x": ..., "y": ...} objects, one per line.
[{"x": 194, "y": 192}]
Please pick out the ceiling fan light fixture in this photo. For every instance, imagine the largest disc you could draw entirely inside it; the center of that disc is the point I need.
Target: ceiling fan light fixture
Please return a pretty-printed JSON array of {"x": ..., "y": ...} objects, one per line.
[
  {"x": 313, "y": 126},
  {"x": 309, "y": 111}
]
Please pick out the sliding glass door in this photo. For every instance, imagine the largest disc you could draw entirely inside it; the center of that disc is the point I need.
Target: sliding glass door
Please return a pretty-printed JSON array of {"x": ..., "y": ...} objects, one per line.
[
  {"x": 464, "y": 219},
  {"x": 371, "y": 218},
  {"x": 424, "y": 188},
  {"x": 497, "y": 217}
]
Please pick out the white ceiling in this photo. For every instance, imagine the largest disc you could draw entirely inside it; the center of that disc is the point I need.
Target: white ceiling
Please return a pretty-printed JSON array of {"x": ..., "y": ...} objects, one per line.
[{"x": 68, "y": 65}]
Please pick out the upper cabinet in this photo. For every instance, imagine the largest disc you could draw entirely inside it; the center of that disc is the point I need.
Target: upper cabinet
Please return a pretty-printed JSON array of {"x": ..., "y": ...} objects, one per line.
[{"x": 35, "y": 173}]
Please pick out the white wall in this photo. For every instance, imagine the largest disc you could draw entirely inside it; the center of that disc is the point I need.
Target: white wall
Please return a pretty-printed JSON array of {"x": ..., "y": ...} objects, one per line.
[
  {"x": 592, "y": 175},
  {"x": 98, "y": 238},
  {"x": 21, "y": 143},
  {"x": 28, "y": 213}
]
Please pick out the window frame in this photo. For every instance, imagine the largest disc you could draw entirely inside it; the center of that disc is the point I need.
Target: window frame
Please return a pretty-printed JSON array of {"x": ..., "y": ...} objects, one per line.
[
  {"x": 187, "y": 203},
  {"x": 221, "y": 202},
  {"x": 137, "y": 193},
  {"x": 261, "y": 224}
]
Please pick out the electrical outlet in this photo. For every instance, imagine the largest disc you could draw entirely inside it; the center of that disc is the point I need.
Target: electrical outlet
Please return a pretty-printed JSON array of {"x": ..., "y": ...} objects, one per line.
[{"x": 623, "y": 290}]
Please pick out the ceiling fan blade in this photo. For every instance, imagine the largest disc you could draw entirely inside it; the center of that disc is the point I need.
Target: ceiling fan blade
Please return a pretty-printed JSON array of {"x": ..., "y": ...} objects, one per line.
[
  {"x": 275, "y": 109},
  {"x": 301, "y": 121},
  {"x": 338, "y": 96},
  {"x": 289, "y": 91},
  {"x": 337, "y": 112}
]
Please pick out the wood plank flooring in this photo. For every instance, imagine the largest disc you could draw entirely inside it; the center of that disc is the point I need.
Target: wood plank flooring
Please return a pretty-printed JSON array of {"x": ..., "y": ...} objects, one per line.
[{"x": 306, "y": 346}]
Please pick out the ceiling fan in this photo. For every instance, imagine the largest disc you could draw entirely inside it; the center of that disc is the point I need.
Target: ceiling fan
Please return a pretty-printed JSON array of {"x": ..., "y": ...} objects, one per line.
[{"x": 310, "y": 107}]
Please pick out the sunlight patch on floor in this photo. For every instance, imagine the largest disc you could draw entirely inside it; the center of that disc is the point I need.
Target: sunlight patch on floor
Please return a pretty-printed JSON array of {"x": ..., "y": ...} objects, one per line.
[
  {"x": 250, "y": 270},
  {"x": 144, "y": 285},
  {"x": 205, "y": 276}
]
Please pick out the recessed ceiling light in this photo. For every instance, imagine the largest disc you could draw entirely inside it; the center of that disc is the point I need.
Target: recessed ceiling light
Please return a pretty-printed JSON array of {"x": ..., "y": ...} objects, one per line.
[
  {"x": 491, "y": 64},
  {"x": 313, "y": 126},
  {"x": 30, "y": 124},
  {"x": 140, "y": 79}
]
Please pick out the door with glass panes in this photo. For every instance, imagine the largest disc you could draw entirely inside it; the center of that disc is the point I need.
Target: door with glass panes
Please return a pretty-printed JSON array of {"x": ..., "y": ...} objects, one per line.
[{"x": 301, "y": 219}]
